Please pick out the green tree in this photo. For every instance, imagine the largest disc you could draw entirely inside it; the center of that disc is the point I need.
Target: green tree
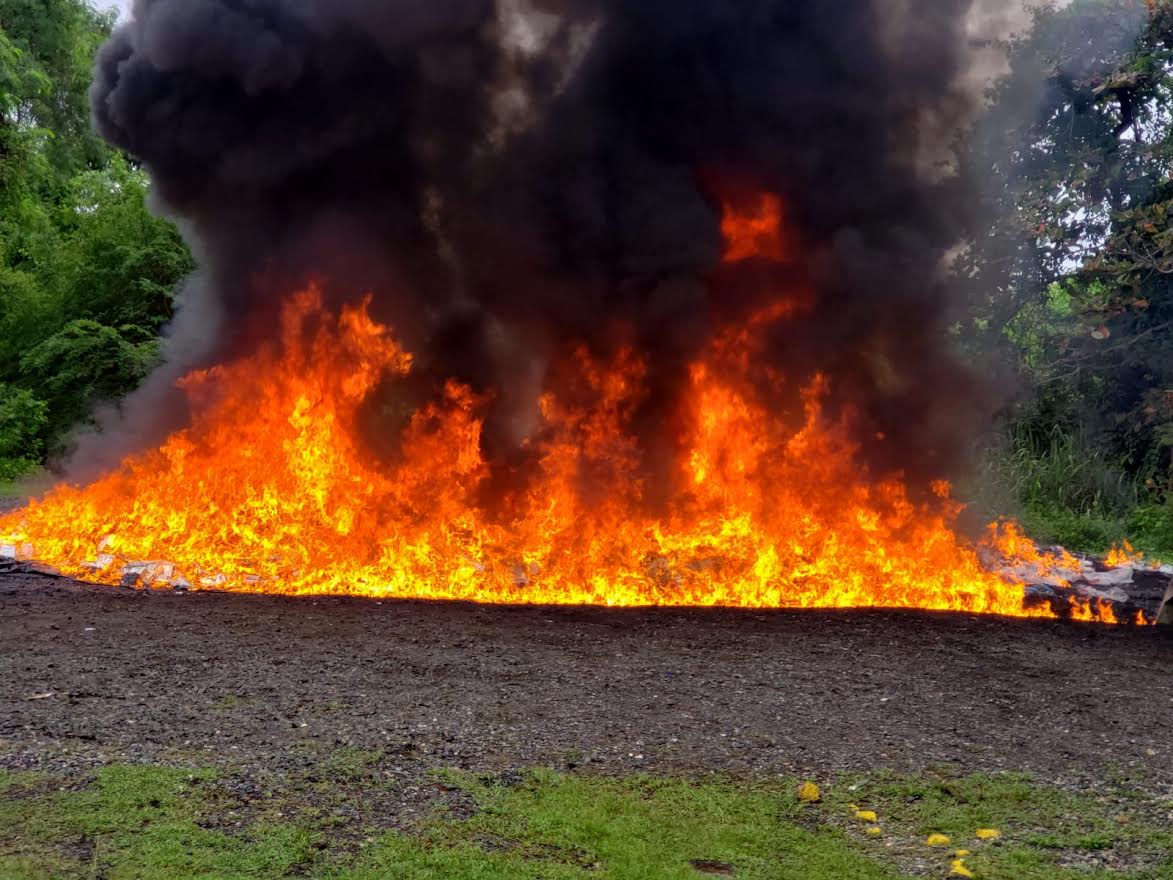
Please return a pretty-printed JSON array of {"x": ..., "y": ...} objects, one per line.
[
  {"x": 121, "y": 263},
  {"x": 1072, "y": 277},
  {"x": 23, "y": 419},
  {"x": 86, "y": 271},
  {"x": 83, "y": 363},
  {"x": 59, "y": 38}
]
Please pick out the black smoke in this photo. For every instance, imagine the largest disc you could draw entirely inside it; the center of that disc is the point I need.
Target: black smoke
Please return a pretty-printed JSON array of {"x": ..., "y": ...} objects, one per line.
[{"x": 509, "y": 176}]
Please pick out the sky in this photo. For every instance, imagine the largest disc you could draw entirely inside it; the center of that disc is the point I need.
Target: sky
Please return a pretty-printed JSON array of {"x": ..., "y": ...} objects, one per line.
[{"x": 122, "y": 5}]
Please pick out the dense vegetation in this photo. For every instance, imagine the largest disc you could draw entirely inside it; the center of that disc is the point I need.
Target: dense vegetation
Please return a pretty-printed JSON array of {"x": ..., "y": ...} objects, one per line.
[
  {"x": 1073, "y": 282},
  {"x": 87, "y": 274},
  {"x": 1071, "y": 286}
]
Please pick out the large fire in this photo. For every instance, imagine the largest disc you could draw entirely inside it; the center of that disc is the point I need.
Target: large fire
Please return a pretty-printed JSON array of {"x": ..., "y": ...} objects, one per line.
[{"x": 273, "y": 489}]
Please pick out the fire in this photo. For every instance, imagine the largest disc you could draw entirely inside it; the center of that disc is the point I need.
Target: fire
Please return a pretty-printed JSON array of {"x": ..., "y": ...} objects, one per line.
[
  {"x": 1123, "y": 555},
  {"x": 273, "y": 489},
  {"x": 755, "y": 231}
]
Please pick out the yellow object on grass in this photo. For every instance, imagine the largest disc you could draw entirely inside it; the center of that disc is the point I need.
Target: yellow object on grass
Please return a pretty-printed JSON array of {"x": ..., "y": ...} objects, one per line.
[
  {"x": 937, "y": 840},
  {"x": 960, "y": 854},
  {"x": 957, "y": 869},
  {"x": 808, "y": 793},
  {"x": 988, "y": 834},
  {"x": 874, "y": 831},
  {"x": 866, "y": 815}
]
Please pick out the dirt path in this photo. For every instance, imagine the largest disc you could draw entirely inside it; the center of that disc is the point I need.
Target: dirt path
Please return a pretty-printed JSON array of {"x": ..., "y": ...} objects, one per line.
[{"x": 255, "y": 679}]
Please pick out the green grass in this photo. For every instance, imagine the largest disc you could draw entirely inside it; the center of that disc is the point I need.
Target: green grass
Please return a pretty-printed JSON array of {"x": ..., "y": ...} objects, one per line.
[
  {"x": 1048, "y": 833},
  {"x": 133, "y": 823},
  {"x": 142, "y": 823},
  {"x": 1066, "y": 489},
  {"x": 17, "y": 476}
]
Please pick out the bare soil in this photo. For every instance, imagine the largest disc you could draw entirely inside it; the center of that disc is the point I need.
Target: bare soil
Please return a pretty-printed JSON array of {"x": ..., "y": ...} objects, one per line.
[{"x": 90, "y": 675}]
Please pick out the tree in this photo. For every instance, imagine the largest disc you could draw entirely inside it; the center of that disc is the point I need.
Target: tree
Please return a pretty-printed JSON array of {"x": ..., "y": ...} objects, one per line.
[
  {"x": 58, "y": 39},
  {"x": 1072, "y": 276},
  {"x": 86, "y": 272},
  {"x": 83, "y": 363},
  {"x": 23, "y": 419}
]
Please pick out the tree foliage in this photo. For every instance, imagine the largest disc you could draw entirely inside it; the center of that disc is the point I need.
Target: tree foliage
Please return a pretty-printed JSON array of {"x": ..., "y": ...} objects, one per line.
[
  {"x": 1073, "y": 277},
  {"x": 86, "y": 272}
]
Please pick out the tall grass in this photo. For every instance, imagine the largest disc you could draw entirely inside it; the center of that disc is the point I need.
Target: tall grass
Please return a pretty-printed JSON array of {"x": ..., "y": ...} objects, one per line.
[
  {"x": 1067, "y": 489},
  {"x": 1061, "y": 468}
]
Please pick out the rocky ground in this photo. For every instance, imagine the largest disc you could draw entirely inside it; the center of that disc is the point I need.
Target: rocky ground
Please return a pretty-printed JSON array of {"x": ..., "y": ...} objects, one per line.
[{"x": 93, "y": 675}]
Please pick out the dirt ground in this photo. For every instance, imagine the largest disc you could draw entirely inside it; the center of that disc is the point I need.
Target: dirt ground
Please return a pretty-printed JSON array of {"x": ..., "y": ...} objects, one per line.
[{"x": 92, "y": 675}]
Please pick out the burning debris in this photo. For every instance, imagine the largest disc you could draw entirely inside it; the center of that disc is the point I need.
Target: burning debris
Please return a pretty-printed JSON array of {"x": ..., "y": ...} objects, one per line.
[
  {"x": 587, "y": 301},
  {"x": 1127, "y": 591},
  {"x": 1120, "y": 588},
  {"x": 22, "y": 552}
]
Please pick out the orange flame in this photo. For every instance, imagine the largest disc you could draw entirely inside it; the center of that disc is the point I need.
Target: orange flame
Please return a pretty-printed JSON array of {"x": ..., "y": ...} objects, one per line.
[
  {"x": 1123, "y": 555},
  {"x": 754, "y": 232},
  {"x": 271, "y": 489}
]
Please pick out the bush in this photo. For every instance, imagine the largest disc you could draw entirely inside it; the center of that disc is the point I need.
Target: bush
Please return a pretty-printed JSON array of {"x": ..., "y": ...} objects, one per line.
[
  {"x": 1067, "y": 490},
  {"x": 1150, "y": 527},
  {"x": 86, "y": 362},
  {"x": 23, "y": 419}
]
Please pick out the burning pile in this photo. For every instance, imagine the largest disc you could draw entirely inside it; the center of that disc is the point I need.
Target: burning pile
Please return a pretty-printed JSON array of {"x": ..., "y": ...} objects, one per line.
[
  {"x": 577, "y": 302},
  {"x": 270, "y": 489}
]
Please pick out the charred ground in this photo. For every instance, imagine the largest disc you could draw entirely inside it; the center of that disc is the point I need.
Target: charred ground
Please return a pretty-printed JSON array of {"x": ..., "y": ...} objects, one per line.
[{"x": 252, "y": 681}]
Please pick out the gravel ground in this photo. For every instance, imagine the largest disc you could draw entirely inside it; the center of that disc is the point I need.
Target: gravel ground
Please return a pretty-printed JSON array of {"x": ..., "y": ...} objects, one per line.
[{"x": 99, "y": 674}]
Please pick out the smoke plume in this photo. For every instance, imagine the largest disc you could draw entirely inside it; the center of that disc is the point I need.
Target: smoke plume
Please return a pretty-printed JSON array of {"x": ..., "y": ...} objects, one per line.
[{"x": 507, "y": 176}]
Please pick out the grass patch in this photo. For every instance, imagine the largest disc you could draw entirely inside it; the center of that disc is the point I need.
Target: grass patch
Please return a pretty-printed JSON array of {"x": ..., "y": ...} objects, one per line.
[
  {"x": 348, "y": 764},
  {"x": 555, "y": 826},
  {"x": 156, "y": 822},
  {"x": 133, "y": 823},
  {"x": 1046, "y": 833}
]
